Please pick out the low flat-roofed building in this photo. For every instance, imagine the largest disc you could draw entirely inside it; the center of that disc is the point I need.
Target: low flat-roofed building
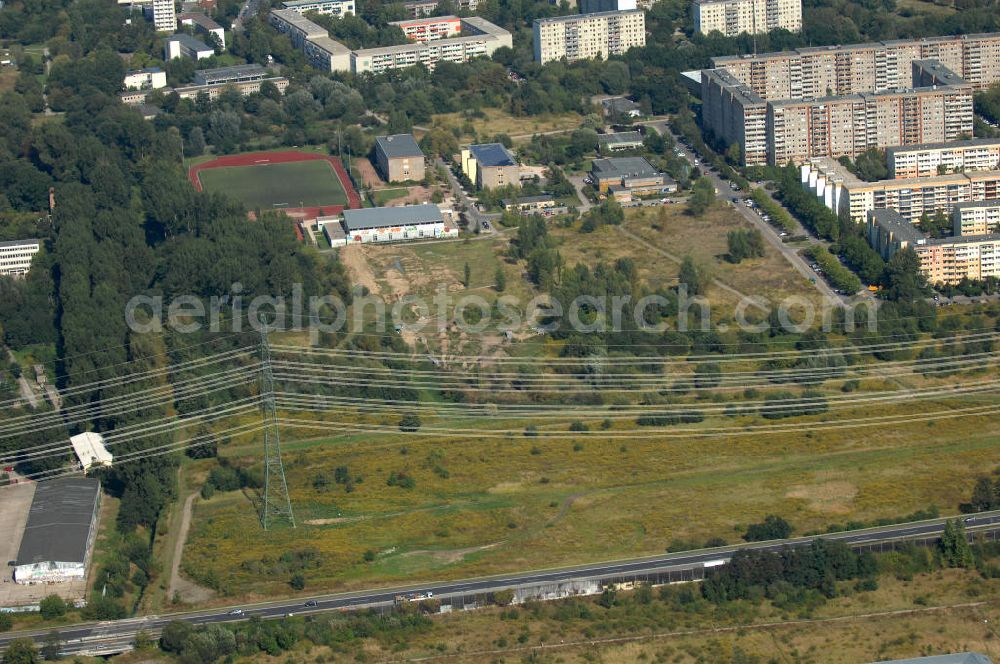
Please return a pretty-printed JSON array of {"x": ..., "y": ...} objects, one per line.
[
  {"x": 245, "y": 89},
  {"x": 151, "y": 78},
  {"x": 490, "y": 165},
  {"x": 234, "y": 74},
  {"x": 186, "y": 46},
  {"x": 16, "y": 256},
  {"x": 529, "y": 203},
  {"x": 59, "y": 535},
  {"x": 204, "y": 24},
  {"x": 399, "y": 158},
  {"x": 387, "y": 224},
  {"x": 90, "y": 450},
  {"x": 976, "y": 218},
  {"x": 634, "y": 174},
  {"x": 331, "y": 7},
  {"x": 620, "y": 141},
  {"x": 915, "y": 161}
]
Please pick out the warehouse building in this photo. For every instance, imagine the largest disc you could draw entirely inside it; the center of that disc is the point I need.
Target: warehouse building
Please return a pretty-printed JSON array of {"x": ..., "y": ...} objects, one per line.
[
  {"x": 16, "y": 256},
  {"x": 731, "y": 18},
  {"x": 399, "y": 158},
  {"x": 59, "y": 535},
  {"x": 387, "y": 224},
  {"x": 490, "y": 165},
  {"x": 917, "y": 161}
]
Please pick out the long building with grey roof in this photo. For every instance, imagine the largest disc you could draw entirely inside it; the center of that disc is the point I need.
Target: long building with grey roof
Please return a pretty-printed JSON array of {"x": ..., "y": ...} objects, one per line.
[{"x": 59, "y": 535}]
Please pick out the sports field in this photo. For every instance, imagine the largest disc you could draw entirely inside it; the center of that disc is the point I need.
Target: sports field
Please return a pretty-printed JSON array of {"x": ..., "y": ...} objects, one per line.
[{"x": 278, "y": 185}]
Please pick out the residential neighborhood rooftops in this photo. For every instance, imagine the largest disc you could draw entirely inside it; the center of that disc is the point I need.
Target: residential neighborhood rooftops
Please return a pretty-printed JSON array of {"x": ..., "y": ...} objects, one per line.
[
  {"x": 59, "y": 521},
  {"x": 381, "y": 217},
  {"x": 398, "y": 146},
  {"x": 491, "y": 155}
]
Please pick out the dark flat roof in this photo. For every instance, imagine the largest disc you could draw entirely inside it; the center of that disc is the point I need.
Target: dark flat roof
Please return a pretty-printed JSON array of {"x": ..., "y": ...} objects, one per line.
[
  {"x": 59, "y": 521},
  {"x": 492, "y": 155},
  {"x": 971, "y": 142},
  {"x": 383, "y": 217},
  {"x": 890, "y": 220},
  {"x": 399, "y": 145}
]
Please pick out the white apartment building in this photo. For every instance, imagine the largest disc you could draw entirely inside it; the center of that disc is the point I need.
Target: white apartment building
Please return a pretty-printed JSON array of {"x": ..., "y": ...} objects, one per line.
[
  {"x": 588, "y": 35},
  {"x": 916, "y": 161},
  {"x": 978, "y": 218},
  {"x": 332, "y": 7},
  {"x": 430, "y": 28},
  {"x": 15, "y": 257},
  {"x": 733, "y": 17},
  {"x": 152, "y": 78},
  {"x": 164, "y": 16}
]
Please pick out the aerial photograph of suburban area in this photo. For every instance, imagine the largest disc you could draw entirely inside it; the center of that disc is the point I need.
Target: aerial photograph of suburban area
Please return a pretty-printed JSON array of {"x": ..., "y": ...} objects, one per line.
[{"x": 500, "y": 331}]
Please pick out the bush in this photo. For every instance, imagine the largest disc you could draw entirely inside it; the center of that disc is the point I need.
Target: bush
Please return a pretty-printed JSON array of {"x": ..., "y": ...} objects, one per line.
[
  {"x": 298, "y": 581},
  {"x": 401, "y": 480},
  {"x": 52, "y": 606},
  {"x": 409, "y": 423},
  {"x": 771, "y": 528},
  {"x": 6, "y": 622}
]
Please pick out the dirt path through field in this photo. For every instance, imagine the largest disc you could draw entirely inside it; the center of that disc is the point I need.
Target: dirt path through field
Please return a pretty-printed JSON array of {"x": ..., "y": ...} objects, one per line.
[
  {"x": 354, "y": 259},
  {"x": 187, "y": 591}
]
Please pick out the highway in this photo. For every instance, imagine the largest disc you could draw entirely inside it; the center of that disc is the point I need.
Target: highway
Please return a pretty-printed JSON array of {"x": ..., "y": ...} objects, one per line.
[{"x": 109, "y": 637}]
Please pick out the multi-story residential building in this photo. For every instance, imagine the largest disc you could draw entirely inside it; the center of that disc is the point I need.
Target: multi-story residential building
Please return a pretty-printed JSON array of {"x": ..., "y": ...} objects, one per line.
[
  {"x": 916, "y": 161},
  {"x": 841, "y": 191},
  {"x": 478, "y": 38},
  {"x": 204, "y": 24},
  {"x": 151, "y": 78},
  {"x": 490, "y": 165},
  {"x": 842, "y": 70},
  {"x": 595, "y": 6},
  {"x": 734, "y": 17},
  {"x": 332, "y": 7},
  {"x": 399, "y": 158},
  {"x": 777, "y": 130},
  {"x": 186, "y": 46},
  {"x": 164, "y": 15},
  {"x": 577, "y": 37},
  {"x": 15, "y": 257},
  {"x": 418, "y": 8},
  {"x": 942, "y": 260},
  {"x": 979, "y": 218},
  {"x": 430, "y": 28}
]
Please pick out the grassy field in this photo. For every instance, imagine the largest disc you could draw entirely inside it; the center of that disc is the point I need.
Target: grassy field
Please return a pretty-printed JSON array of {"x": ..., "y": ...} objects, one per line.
[
  {"x": 383, "y": 196},
  {"x": 496, "y": 121},
  {"x": 295, "y": 184}
]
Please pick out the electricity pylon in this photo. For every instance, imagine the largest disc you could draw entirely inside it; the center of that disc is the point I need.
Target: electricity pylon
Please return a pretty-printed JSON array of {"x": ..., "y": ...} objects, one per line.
[{"x": 277, "y": 504}]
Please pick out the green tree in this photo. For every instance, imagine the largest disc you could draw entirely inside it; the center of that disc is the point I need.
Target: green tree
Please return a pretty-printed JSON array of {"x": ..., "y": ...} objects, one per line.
[
  {"x": 690, "y": 276},
  {"x": 500, "y": 279},
  {"x": 955, "y": 549},
  {"x": 409, "y": 423},
  {"x": 702, "y": 197},
  {"x": 983, "y": 495},
  {"x": 466, "y": 275},
  {"x": 52, "y": 606},
  {"x": 903, "y": 281},
  {"x": 52, "y": 646},
  {"x": 6, "y": 622},
  {"x": 298, "y": 581},
  {"x": 21, "y": 651},
  {"x": 771, "y": 528}
]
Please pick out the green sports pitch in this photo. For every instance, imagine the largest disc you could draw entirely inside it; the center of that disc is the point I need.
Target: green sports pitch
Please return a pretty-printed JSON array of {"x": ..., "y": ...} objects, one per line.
[{"x": 276, "y": 186}]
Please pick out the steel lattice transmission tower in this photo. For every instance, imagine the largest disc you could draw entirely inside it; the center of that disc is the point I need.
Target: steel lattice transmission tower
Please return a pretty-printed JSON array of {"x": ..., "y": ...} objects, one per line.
[{"x": 277, "y": 504}]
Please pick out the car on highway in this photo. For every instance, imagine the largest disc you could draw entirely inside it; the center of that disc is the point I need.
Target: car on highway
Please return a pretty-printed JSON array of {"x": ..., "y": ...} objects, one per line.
[
  {"x": 311, "y": 603},
  {"x": 236, "y": 612}
]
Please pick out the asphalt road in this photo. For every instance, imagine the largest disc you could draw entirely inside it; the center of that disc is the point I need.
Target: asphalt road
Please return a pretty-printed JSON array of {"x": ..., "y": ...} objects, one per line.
[
  {"x": 475, "y": 217},
  {"x": 109, "y": 636}
]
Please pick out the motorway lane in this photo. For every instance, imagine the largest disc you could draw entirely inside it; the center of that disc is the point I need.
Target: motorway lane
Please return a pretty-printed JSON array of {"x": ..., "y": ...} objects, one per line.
[{"x": 85, "y": 638}]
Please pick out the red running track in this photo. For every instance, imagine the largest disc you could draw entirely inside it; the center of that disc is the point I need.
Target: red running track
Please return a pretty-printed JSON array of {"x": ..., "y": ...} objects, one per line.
[{"x": 258, "y": 158}]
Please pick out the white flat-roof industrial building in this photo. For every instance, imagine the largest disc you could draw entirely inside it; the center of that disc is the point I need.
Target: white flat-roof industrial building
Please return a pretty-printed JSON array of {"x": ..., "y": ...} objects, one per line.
[
  {"x": 59, "y": 535},
  {"x": 90, "y": 450},
  {"x": 387, "y": 224},
  {"x": 15, "y": 256}
]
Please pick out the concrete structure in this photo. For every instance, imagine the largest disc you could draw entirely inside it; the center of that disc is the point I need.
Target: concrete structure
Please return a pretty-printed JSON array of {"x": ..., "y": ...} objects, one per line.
[
  {"x": 479, "y": 38},
  {"x": 164, "y": 15},
  {"x": 620, "y": 141},
  {"x": 399, "y": 158},
  {"x": 90, "y": 450},
  {"x": 734, "y": 17},
  {"x": 979, "y": 218},
  {"x": 16, "y": 256},
  {"x": 387, "y": 224},
  {"x": 773, "y": 130},
  {"x": 577, "y": 37},
  {"x": 942, "y": 260},
  {"x": 204, "y": 24},
  {"x": 152, "y": 78},
  {"x": 59, "y": 535},
  {"x": 331, "y": 7},
  {"x": 625, "y": 177},
  {"x": 596, "y": 6},
  {"x": 916, "y": 161},
  {"x": 186, "y": 46},
  {"x": 490, "y": 165},
  {"x": 428, "y": 29},
  {"x": 842, "y": 70},
  {"x": 848, "y": 196}
]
